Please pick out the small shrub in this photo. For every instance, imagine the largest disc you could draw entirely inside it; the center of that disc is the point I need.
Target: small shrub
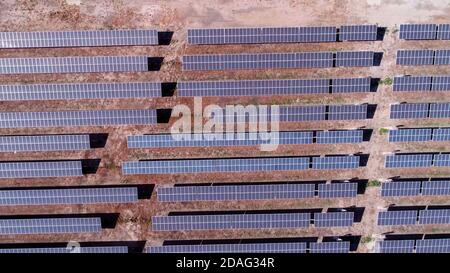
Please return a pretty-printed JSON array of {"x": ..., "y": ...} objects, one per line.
[
  {"x": 383, "y": 131},
  {"x": 366, "y": 239},
  {"x": 374, "y": 183}
]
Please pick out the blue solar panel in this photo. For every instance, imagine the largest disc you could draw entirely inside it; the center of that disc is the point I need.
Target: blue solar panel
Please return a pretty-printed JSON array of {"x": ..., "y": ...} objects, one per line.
[
  {"x": 409, "y": 110},
  {"x": 418, "y": 31},
  {"x": 442, "y": 57},
  {"x": 415, "y": 57},
  {"x": 231, "y": 248},
  {"x": 49, "y": 225},
  {"x": 443, "y": 32},
  {"x": 406, "y": 188},
  {"x": 347, "y": 112},
  {"x": 439, "y": 110},
  {"x": 396, "y": 218},
  {"x": 44, "y": 143},
  {"x": 396, "y": 246},
  {"x": 441, "y": 134},
  {"x": 441, "y": 83},
  {"x": 409, "y": 135},
  {"x": 335, "y": 137},
  {"x": 441, "y": 160},
  {"x": 232, "y": 192},
  {"x": 335, "y": 162},
  {"x": 329, "y": 247},
  {"x": 75, "y": 91},
  {"x": 409, "y": 161},
  {"x": 215, "y": 165},
  {"x": 433, "y": 246},
  {"x": 437, "y": 216},
  {"x": 230, "y": 221},
  {"x": 412, "y": 83},
  {"x": 40, "y": 169},
  {"x": 350, "y": 85},
  {"x": 441, "y": 187},
  {"x": 62, "y": 250},
  {"x": 358, "y": 33},
  {"x": 336, "y": 190},
  {"x": 333, "y": 219},
  {"x": 354, "y": 58}
]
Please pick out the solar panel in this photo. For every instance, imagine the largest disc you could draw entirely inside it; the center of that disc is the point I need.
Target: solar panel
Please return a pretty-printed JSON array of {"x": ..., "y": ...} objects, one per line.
[
  {"x": 75, "y": 91},
  {"x": 84, "y": 249},
  {"x": 412, "y": 83},
  {"x": 240, "y": 192},
  {"x": 396, "y": 246},
  {"x": 252, "y": 87},
  {"x": 443, "y": 32},
  {"x": 261, "y": 35},
  {"x": 230, "y": 221},
  {"x": 433, "y": 246},
  {"x": 408, "y": 161},
  {"x": 441, "y": 83},
  {"x": 258, "y": 61},
  {"x": 219, "y": 139},
  {"x": 442, "y": 57},
  {"x": 397, "y": 188},
  {"x": 44, "y": 143},
  {"x": 350, "y": 85},
  {"x": 354, "y": 58},
  {"x": 335, "y": 137},
  {"x": 347, "y": 112},
  {"x": 441, "y": 134},
  {"x": 397, "y": 218},
  {"x": 333, "y": 219},
  {"x": 409, "y": 110},
  {"x": 335, "y": 162},
  {"x": 76, "y": 118},
  {"x": 437, "y": 216},
  {"x": 418, "y": 31},
  {"x": 297, "y": 247},
  {"x": 302, "y": 113},
  {"x": 436, "y": 187},
  {"x": 115, "y": 37},
  {"x": 415, "y": 57},
  {"x": 358, "y": 33},
  {"x": 40, "y": 169},
  {"x": 73, "y": 64},
  {"x": 68, "y": 196},
  {"x": 329, "y": 247},
  {"x": 335, "y": 190},
  {"x": 409, "y": 135},
  {"x": 49, "y": 225},
  {"x": 439, "y": 110},
  {"x": 215, "y": 165},
  {"x": 441, "y": 160}
]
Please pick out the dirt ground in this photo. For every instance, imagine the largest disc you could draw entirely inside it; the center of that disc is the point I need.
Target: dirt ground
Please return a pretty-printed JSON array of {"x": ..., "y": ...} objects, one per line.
[{"x": 177, "y": 16}]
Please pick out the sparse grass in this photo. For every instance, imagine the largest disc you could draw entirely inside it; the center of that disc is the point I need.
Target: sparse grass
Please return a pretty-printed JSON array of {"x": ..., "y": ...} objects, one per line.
[
  {"x": 387, "y": 81},
  {"x": 374, "y": 183},
  {"x": 383, "y": 131},
  {"x": 366, "y": 239}
]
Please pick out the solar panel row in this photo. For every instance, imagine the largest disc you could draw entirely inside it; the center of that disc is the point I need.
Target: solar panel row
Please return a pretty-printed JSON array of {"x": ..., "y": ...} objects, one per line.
[
  {"x": 44, "y": 143},
  {"x": 425, "y": 31},
  {"x": 422, "y": 134},
  {"x": 417, "y": 160},
  {"x": 40, "y": 169},
  {"x": 420, "y": 110},
  {"x": 412, "y": 217},
  {"x": 60, "y": 250},
  {"x": 423, "y": 57},
  {"x": 49, "y": 225},
  {"x": 422, "y": 83}
]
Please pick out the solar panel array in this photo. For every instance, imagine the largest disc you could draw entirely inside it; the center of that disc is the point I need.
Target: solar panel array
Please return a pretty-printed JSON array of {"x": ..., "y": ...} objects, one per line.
[
  {"x": 333, "y": 219},
  {"x": 440, "y": 83},
  {"x": 68, "y": 196},
  {"x": 40, "y": 169},
  {"x": 425, "y": 31},
  {"x": 49, "y": 225},
  {"x": 61, "y": 250},
  {"x": 396, "y": 246},
  {"x": 435, "y": 216},
  {"x": 416, "y": 188},
  {"x": 44, "y": 143},
  {"x": 335, "y": 137},
  {"x": 354, "y": 58},
  {"x": 415, "y": 246},
  {"x": 415, "y": 57},
  {"x": 412, "y": 83},
  {"x": 347, "y": 112},
  {"x": 409, "y": 110},
  {"x": 231, "y": 248},
  {"x": 329, "y": 247},
  {"x": 76, "y": 91},
  {"x": 335, "y": 162},
  {"x": 409, "y": 160},
  {"x": 442, "y": 57},
  {"x": 350, "y": 85},
  {"x": 443, "y": 32},
  {"x": 76, "y": 118},
  {"x": 440, "y": 187},
  {"x": 395, "y": 218},
  {"x": 73, "y": 64},
  {"x": 433, "y": 246},
  {"x": 408, "y": 135},
  {"x": 338, "y": 190},
  {"x": 116, "y": 37},
  {"x": 230, "y": 221},
  {"x": 358, "y": 33}
]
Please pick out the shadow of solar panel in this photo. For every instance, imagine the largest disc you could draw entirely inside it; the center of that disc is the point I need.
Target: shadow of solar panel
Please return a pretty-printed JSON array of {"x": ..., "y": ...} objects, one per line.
[
  {"x": 438, "y": 216},
  {"x": 412, "y": 83},
  {"x": 407, "y": 188},
  {"x": 442, "y": 57},
  {"x": 50, "y": 225},
  {"x": 252, "y": 88},
  {"x": 74, "y": 91},
  {"x": 347, "y": 112},
  {"x": 333, "y": 219},
  {"x": 335, "y": 162},
  {"x": 40, "y": 169},
  {"x": 43, "y": 250},
  {"x": 409, "y": 161},
  {"x": 354, "y": 58},
  {"x": 433, "y": 246},
  {"x": 115, "y": 37},
  {"x": 261, "y": 35},
  {"x": 396, "y": 246},
  {"x": 68, "y": 196},
  {"x": 441, "y": 83},
  {"x": 258, "y": 61},
  {"x": 418, "y": 31},
  {"x": 415, "y": 57},
  {"x": 330, "y": 247},
  {"x": 397, "y": 218},
  {"x": 350, "y": 85},
  {"x": 436, "y": 187},
  {"x": 358, "y": 33},
  {"x": 335, "y": 137},
  {"x": 231, "y": 248},
  {"x": 215, "y": 165},
  {"x": 219, "y": 139},
  {"x": 441, "y": 134},
  {"x": 44, "y": 143},
  {"x": 409, "y": 110},
  {"x": 230, "y": 221},
  {"x": 410, "y": 135},
  {"x": 443, "y": 32},
  {"x": 439, "y": 110},
  {"x": 76, "y": 118},
  {"x": 441, "y": 160},
  {"x": 336, "y": 190},
  {"x": 73, "y": 64},
  {"x": 241, "y": 192}
]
